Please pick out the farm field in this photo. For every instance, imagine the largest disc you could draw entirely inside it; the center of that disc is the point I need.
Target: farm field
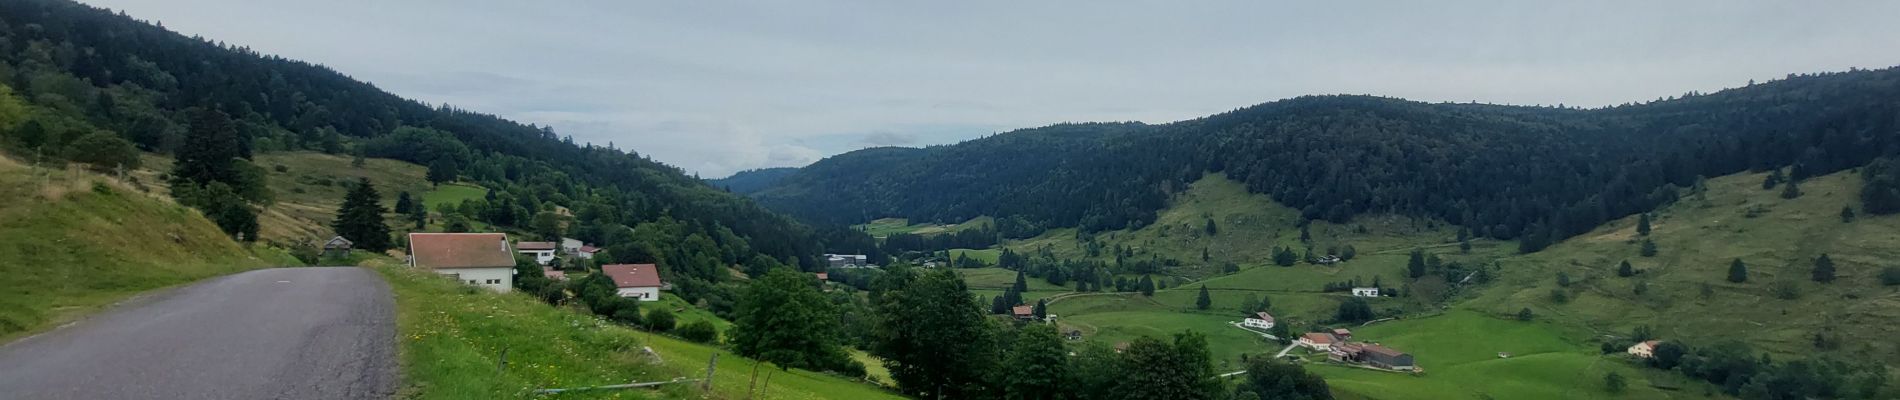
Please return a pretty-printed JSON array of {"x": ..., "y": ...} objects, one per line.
[
  {"x": 882, "y": 227},
  {"x": 1458, "y": 352}
]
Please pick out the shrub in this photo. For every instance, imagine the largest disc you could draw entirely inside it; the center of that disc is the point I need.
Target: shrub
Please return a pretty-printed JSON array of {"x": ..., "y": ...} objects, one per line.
[
  {"x": 660, "y": 320},
  {"x": 104, "y": 151},
  {"x": 1787, "y": 290},
  {"x": 699, "y": 331},
  {"x": 280, "y": 168},
  {"x": 1890, "y": 276}
]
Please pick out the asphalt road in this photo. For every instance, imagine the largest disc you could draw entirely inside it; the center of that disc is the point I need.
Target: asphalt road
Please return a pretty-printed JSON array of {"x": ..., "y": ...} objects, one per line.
[{"x": 289, "y": 333}]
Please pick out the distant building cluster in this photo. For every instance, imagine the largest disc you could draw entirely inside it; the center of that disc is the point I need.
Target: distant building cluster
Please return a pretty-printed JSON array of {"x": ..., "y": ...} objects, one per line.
[
  {"x": 1340, "y": 348},
  {"x": 848, "y": 261}
]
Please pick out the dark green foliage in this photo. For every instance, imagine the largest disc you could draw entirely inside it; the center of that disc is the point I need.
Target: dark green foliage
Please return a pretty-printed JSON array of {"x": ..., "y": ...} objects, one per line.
[
  {"x": 1037, "y": 366},
  {"x": 1415, "y": 265},
  {"x": 1890, "y": 276},
  {"x": 1625, "y": 270},
  {"x": 1525, "y": 314},
  {"x": 659, "y": 320},
  {"x": 1563, "y": 279},
  {"x": 931, "y": 334},
  {"x": 104, "y": 152},
  {"x": 1666, "y": 355},
  {"x": 1211, "y": 229},
  {"x": 1146, "y": 286},
  {"x": 361, "y": 218},
  {"x": 701, "y": 331},
  {"x": 1847, "y": 214},
  {"x": 1464, "y": 246},
  {"x": 442, "y": 170},
  {"x": 404, "y": 204},
  {"x": 781, "y": 319},
  {"x": 210, "y": 151},
  {"x": 1203, "y": 301},
  {"x": 1791, "y": 190},
  {"x": 1559, "y": 296},
  {"x": 1774, "y": 178},
  {"x": 419, "y": 213},
  {"x": 1284, "y": 256},
  {"x": 752, "y": 180},
  {"x": 1154, "y": 369},
  {"x": 1354, "y": 310},
  {"x": 1737, "y": 272},
  {"x": 1880, "y": 190},
  {"x": 1614, "y": 383},
  {"x": 1269, "y": 378},
  {"x": 1347, "y": 253},
  {"x": 1642, "y": 224},
  {"x": 1823, "y": 269},
  {"x": 1648, "y": 249},
  {"x": 223, "y": 206},
  {"x": 1022, "y": 284}
]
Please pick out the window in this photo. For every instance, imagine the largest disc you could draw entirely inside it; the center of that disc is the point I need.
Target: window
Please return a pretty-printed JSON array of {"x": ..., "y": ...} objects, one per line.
[{"x": 494, "y": 281}]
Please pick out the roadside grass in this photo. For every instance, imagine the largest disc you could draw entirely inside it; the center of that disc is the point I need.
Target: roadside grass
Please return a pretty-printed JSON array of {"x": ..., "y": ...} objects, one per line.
[
  {"x": 1696, "y": 238},
  {"x": 75, "y": 242},
  {"x": 1458, "y": 352},
  {"x": 452, "y": 337}
]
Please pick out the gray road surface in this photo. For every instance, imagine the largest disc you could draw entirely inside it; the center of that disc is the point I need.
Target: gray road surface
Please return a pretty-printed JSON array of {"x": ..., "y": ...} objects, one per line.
[{"x": 289, "y": 333}]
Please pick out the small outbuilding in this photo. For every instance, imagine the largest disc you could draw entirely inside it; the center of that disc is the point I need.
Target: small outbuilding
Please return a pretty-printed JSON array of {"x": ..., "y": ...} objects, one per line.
[{"x": 337, "y": 247}]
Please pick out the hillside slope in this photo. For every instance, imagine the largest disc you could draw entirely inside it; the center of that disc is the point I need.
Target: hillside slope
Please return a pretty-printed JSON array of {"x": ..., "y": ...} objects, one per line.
[
  {"x": 1688, "y": 297},
  {"x": 76, "y": 241}
]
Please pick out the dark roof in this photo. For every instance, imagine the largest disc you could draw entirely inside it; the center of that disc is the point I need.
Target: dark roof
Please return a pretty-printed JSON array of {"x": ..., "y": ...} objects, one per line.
[
  {"x": 535, "y": 246},
  {"x": 633, "y": 275},
  {"x": 1263, "y": 315},
  {"x": 1382, "y": 350},
  {"x": 337, "y": 242},
  {"x": 460, "y": 250}
]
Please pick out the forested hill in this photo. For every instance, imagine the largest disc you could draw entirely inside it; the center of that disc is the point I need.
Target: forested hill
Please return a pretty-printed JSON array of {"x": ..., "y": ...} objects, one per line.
[
  {"x": 82, "y": 70},
  {"x": 1504, "y": 171},
  {"x": 752, "y": 180}
]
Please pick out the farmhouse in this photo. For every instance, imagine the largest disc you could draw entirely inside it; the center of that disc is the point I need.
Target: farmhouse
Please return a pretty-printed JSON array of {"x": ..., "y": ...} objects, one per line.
[
  {"x": 1024, "y": 312},
  {"x": 543, "y": 252},
  {"x": 1260, "y": 320},
  {"x": 481, "y": 259},
  {"x": 636, "y": 281},
  {"x": 1365, "y": 292},
  {"x": 1327, "y": 259},
  {"x": 1645, "y": 349},
  {"x": 1317, "y": 341},
  {"x": 337, "y": 247},
  {"x": 571, "y": 245},
  {"x": 1342, "y": 333},
  {"x": 1383, "y": 357},
  {"x": 847, "y": 260}
]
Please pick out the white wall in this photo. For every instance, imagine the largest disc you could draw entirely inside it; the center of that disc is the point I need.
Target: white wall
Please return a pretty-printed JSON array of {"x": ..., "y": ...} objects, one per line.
[
  {"x": 540, "y": 256},
  {"x": 1258, "y": 323},
  {"x": 642, "y": 293},
  {"x": 504, "y": 278}
]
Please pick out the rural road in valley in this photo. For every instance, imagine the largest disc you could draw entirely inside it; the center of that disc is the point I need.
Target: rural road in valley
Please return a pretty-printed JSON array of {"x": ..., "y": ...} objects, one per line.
[{"x": 286, "y": 333}]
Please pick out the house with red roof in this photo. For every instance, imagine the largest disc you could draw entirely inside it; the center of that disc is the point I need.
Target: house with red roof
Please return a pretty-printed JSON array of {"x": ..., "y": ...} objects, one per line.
[
  {"x": 481, "y": 259},
  {"x": 1023, "y": 312},
  {"x": 635, "y": 281},
  {"x": 1261, "y": 320},
  {"x": 1319, "y": 341}
]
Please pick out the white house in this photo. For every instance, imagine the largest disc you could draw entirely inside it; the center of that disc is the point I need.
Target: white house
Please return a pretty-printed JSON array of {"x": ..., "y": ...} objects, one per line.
[
  {"x": 847, "y": 260},
  {"x": 543, "y": 252},
  {"x": 571, "y": 245},
  {"x": 1260, "y": 320},
  {"x": 481, "y": 259},
  {"x": 1644, "y": 350},
  {"x": 1365, "y": 292},
  {"x": 636, "y": 281},
  {"x": 1317, "y": 341},
  {"x": 586, "y": 252}
]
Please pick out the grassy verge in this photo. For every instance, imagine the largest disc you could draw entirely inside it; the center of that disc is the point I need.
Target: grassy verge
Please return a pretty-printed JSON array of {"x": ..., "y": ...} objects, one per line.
[
  {"x": 75, "y": 242},
  {"x": 452, "y": 338}
]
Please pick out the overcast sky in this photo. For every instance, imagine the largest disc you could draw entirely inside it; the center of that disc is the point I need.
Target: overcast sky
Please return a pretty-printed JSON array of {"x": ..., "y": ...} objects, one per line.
[{"x": 717, "y": 86}]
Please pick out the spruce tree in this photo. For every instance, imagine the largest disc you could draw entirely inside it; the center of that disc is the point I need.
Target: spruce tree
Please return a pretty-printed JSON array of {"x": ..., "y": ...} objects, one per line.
[
  {"x": 1022, "y": 284},
  {"x": 1147, "y": 286},
  {"x": 1737, "y": 272},
  {"x": 1847, "y": 214},
  {"x": 1642, "y": 224},
  {"x": 1625, "y": 270},
  {"x": 1210, "y": 228},
  {"x": 442, "y": 170},
  {"x": 1823, "y": 269},
  {"x": 1791, "y": 190},
  {"x": 403, "y": 203},
  {"x": 1041, "y": 310},
  {"x": 420, "y": 214},
  {"x": 1204, "y": 301},
  {"x": 361, "y": 218},
  {"x": 1649, "y": 248},
  {"x": 1415, "y": 267}
]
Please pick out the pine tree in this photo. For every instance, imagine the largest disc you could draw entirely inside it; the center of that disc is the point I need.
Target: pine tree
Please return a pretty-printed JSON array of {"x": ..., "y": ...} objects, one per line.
[
  {"x": 1823, "y": 269},
  {"x": 1791, "y": 190},
  {"x": 420, "y": 214},
  {"x": 1204, "y": 301},
  {"x": 1306, "y": 236},
  {"x": 1022, "y": 284},
  {"x": 1415, "y": 267},
  {"x": 442, "y": 170},
  {"x": 1464, "y": 246},
  {"x": 1147, "y": 286},
  {"x": 1625, "y": 270},
  {"x": 1041, "y": 310},
  {"x": 1525, "y": 314},
  {"x": 1649, "y": 248},
  {"x": 403, "y": 203},
  {"x": 361, "y": 218},
  {"x": 1642, "y": 224},
  {"x": 1737, "y": 272},
  {"x": 1773, "y": 178},
  {"x": 1847, "y": 214},
  {"x": 1210, "y": 228}
]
